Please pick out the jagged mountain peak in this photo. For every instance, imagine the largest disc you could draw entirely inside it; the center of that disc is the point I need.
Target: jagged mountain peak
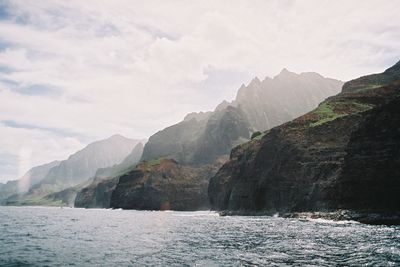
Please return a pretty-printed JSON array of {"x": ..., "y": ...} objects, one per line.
[
  {"x": 255, "y": 81},
  {"x": 224, "y": 104},
  {"x": 285, "y": 73}
]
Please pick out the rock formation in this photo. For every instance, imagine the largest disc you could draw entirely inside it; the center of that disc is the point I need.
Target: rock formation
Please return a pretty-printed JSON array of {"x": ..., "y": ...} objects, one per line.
[
  {"x": 343, "y": 155},
  {"x": 163, "y": 184}
]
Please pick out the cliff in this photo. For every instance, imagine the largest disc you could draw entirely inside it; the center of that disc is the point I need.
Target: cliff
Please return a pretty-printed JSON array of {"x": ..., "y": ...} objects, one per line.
[
  {"x": 342, "y": 155},
  {"x": 163, "y": 184}
]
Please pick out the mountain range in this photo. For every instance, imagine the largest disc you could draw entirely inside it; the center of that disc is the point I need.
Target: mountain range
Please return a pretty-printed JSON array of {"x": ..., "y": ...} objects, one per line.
[
  {"x": 194, "y": 149},
  {"x": 77, "y": 169},
  {"x": 293, "y": 144}
]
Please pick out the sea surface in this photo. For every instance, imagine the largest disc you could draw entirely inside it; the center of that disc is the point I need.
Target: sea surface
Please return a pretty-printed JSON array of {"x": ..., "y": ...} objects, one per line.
[{"x": 41, "y": 236}]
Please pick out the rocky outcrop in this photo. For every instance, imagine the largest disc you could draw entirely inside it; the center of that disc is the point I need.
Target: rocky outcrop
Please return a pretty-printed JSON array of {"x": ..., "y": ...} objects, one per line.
[
  {"x": 97, "y": 194},
  {"x": 342, "y": 155},
  {"x": 164, "y": 184}
]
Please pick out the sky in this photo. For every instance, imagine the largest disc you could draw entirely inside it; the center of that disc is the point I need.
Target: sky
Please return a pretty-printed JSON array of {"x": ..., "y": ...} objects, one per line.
[{"x": 72, "y": 72}]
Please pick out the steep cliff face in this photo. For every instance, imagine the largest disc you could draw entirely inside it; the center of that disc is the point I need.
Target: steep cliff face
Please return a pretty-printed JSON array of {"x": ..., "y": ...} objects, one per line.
[
  {"x": 163, "y": 184},
  {"x": 371, "y": 173},
  {"x": 342, "y": 155},
  {"x": 97, "y": 194}
]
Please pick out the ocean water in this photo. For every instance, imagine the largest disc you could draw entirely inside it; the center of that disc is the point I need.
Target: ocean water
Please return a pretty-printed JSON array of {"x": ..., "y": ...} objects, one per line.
[{"x": 40, "y": 236}]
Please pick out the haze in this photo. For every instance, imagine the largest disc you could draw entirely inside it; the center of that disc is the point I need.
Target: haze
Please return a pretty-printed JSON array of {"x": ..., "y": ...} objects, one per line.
[{"x": 72, "y": 72}]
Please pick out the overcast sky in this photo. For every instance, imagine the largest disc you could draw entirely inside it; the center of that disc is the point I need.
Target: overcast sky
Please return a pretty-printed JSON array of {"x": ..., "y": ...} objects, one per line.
[{"x": 72, "y": 72}]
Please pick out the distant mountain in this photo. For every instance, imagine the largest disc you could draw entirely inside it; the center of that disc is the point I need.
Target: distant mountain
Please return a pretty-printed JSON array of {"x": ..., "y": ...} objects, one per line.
[
  {"x": 343, "y": 157},
  {"x": 23, "y": 184},
  {"x": 200, "y": 140},
  {"x": 79, "y": 167},
  {"x": 129, "y": 162},
  {"x": 271, "y": 102},
  {"x": 97, "y": 192},
  {"x": 202, "y": 137}
]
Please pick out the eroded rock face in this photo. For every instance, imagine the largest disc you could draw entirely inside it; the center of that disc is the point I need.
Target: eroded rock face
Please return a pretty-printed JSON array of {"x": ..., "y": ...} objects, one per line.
[
  {"x": 97, "y": 194},
  {"x": 343, "y": 155},
  {"x": 371, "y": 173},
  {"x": 163, "y": 184}
]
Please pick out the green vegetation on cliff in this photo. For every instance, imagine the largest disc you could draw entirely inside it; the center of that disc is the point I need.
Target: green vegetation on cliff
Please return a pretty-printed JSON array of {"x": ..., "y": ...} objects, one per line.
[{"x": 329, "y": 111}]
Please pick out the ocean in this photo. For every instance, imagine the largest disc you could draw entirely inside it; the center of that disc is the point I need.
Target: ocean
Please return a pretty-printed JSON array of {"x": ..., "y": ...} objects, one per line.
[{"x": 45, "y": 236}]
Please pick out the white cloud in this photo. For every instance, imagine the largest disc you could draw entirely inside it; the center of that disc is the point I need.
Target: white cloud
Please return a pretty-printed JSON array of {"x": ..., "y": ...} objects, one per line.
[
  {"x": 134, "y": 67},
  {"x": 33, "y": 147}
]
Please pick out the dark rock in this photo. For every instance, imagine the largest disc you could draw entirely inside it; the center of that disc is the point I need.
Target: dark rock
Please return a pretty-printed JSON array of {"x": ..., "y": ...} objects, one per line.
[
  {"x": 343, "y": 155},
  {"x": 163, "y": 184},
  {"x": 97, "y": 194}
]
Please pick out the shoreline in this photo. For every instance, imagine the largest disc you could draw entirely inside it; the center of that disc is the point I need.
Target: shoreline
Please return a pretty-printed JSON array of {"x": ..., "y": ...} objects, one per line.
[{"x": 372, "y": 218}]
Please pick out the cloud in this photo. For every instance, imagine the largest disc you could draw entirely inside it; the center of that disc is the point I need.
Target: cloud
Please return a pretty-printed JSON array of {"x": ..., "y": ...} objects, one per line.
[
  {"x": 94, "y": 68},
  {"x": 22, "y": 148}
]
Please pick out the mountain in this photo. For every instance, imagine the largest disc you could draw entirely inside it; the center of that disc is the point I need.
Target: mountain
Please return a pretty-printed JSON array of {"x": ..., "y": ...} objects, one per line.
[
  {"x": 97, "y": 192},
  {"x": 271, "y": 102},
  {"x": 202, "y": 137},
  {"x": 343, "y": 157},
  {"x": 203, "y": 141},
  {"x": 22, "y": 185},
  {"x": 128, "y": 162},
  {"x": 200, "y": 141},
  {"x": 78, "y": 168}
]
